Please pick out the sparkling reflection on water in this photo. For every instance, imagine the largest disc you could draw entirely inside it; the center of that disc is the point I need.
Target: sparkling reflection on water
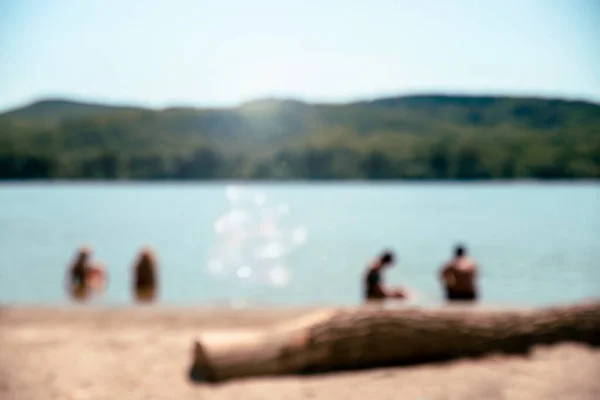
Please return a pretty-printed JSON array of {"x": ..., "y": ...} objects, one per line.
[{"x": 253, "y": 239}]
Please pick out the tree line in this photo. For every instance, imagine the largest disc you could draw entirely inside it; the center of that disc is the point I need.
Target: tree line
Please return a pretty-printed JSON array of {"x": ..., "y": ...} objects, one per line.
[{"x": 436, "y": 138}]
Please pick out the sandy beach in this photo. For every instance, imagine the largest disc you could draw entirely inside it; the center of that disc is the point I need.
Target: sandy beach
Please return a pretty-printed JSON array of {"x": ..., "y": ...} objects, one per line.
[{"x": 144, "y": 353}]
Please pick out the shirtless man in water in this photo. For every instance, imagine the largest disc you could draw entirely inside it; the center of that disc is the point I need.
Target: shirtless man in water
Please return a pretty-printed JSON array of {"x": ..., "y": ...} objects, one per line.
[
  {"x": 374, "y": 288},
  {"x": 459, "y": 276}
]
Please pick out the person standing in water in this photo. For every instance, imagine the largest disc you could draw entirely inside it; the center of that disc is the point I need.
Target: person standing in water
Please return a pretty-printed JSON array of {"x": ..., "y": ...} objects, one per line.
[
  {"x": 145, "y": 279},
  {"x": 374, "y": 287},
  {"x": 459, "y": 277}
]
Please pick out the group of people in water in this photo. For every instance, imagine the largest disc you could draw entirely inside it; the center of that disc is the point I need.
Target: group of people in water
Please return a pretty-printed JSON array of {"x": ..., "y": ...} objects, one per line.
[
  {"x": 458, "y": 277},
  {"x": 87, "y": 276}
]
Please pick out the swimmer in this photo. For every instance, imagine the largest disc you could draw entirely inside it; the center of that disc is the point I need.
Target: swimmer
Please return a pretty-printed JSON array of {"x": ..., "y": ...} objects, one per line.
[
  {"x": 374, "y": 288},
  {"x": 85, "y": 277},
  {"x": 459, "y": 275},
  {"x": 145, "y": 279}
]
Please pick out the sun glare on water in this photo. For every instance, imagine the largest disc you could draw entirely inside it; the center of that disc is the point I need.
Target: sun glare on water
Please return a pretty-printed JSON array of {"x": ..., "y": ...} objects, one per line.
[{"x": 253, "y": 241}]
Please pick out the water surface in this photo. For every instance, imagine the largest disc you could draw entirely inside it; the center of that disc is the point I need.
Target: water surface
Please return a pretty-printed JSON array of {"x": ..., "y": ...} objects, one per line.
[{"x": 536, "y": 243}]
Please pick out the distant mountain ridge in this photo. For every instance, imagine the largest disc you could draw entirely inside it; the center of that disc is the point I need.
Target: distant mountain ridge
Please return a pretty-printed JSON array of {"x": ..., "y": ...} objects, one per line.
[
  {"x": 56, "y": 105},
  {"x": 56, "y": 109}
]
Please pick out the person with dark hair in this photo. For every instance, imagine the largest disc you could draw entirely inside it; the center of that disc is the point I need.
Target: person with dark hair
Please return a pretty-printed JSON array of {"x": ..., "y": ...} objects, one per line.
[
  {"x": 374, "y": 287},
  {"x": 145, "y": 279},
  {"x": 459, "y": 276}
]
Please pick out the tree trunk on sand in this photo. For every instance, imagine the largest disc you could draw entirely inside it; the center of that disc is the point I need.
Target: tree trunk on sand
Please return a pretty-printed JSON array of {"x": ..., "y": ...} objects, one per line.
[{"x": 366, "y": 337}]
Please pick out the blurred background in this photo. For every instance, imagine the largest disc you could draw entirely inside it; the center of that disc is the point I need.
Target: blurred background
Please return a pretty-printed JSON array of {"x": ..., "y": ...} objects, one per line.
[{"x": 267, "y": 151}]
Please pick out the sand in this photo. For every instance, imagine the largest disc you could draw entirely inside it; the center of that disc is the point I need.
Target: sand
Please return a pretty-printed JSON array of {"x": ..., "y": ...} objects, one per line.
[{"x": 143, "y": 353}]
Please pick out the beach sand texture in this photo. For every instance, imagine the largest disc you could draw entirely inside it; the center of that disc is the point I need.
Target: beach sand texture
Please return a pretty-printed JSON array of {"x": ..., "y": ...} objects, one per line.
[{"x": 144, "y": 353}]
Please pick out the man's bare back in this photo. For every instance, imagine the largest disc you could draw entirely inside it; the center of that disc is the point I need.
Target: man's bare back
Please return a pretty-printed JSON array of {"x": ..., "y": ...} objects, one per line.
[{"x": 459, "y": 277}]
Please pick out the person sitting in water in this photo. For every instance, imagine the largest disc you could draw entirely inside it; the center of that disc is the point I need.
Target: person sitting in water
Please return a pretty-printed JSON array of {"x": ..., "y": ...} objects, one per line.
[
  {"x": 145, "y": 275},
  {"x": 374, "y": 288},
  {"x": 459, "y": 275}
]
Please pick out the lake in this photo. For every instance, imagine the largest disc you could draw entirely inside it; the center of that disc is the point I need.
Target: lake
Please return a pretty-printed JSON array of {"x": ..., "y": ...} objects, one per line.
[{"x": 301, "y": 244}]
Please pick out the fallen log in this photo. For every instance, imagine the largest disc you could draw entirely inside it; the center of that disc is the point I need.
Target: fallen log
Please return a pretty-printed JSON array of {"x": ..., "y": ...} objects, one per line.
[{"x": 362, "y": 338}]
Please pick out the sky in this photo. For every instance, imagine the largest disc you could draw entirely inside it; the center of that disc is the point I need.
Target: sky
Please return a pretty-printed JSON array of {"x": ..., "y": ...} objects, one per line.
[{"x": 220, "y": 53}]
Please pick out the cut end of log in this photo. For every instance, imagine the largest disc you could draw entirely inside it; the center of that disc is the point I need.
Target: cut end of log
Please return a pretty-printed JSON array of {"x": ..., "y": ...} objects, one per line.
[{"x": 201, "y": 370}]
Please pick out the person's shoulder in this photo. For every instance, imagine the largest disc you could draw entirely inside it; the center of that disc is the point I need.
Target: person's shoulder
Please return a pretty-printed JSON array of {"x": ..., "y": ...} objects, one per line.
[{"x": 470, "y": 264}]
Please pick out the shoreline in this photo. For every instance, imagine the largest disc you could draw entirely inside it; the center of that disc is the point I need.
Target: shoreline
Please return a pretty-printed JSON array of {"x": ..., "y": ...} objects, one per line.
[
  {"x": 203, "y": 317},
  {"x": 298, "y": 182}
]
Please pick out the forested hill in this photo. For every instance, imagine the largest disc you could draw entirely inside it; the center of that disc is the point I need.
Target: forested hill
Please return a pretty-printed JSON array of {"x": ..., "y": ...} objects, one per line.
[{"x": 414, "y": 137}]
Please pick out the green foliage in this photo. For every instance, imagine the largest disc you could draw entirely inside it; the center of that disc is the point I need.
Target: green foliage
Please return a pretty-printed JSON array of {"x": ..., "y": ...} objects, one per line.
[{"x": 417, "y": 137}]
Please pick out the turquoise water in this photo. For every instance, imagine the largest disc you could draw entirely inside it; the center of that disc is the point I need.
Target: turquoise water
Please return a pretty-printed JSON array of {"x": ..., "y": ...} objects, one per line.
[{"x": 536, "y": 243}]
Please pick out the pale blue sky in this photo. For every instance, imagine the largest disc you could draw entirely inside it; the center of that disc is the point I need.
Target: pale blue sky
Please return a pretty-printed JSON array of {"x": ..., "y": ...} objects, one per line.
[{"x": 195, "y": 52}]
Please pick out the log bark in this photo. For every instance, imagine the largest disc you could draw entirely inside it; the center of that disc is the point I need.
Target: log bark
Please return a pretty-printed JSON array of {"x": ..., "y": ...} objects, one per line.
[{"x": 363, "y": 338}]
